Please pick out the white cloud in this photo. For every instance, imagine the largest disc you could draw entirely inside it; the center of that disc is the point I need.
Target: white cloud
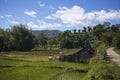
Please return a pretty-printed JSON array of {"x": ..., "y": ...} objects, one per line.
[
  {"x": 76, "y": 16},
  {"x": 32, "y": 25},
  {"x": 40, "y": 25},
  {"x": 8, "y": 15},
  {"x": 30, "y": 13},
  {"x": 41, "y": 4},
  {"x": 52, "y": 8},
  {"x": 49, "y": 17},
  {"x": 1, "y": 16},
  {"x": 13, "y": 22},
  {"x": 23, "y": 20},
  {"x": 110, "y": 15}
]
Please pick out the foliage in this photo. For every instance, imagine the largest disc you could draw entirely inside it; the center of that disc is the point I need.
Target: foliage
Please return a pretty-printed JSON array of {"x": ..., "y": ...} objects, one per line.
[
  {"x": 18, "y": 38},
  {"x": 48, "y": 33},
  {"x": 117, "y": 50},
  {"x": 97, "y": 30},
  {"x": 65, "y": 40},
  {"x": 103, "y": 70},
  {"x": 41, "y": 40},
  {"x": 23, "y": 38},
  {"x": 2, "y": 39},
  {"x": 100, "y": 48},
  {"x": 107, "y": 37},
  {"x": 52, "y": 42},
  {"x": 116, "y": 40}
]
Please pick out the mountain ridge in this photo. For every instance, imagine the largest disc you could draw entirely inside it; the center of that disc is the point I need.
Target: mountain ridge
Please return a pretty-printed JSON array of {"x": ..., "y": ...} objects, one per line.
[{"x": 48, "y": 33}]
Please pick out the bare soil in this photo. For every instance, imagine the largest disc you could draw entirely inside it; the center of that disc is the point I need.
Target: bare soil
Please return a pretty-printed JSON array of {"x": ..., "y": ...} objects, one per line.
[{"x": 113, "y": 55}]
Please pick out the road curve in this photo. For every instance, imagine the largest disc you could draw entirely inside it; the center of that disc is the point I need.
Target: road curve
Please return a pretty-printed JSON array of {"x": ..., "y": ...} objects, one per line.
[{"x": 113, "y": 55}]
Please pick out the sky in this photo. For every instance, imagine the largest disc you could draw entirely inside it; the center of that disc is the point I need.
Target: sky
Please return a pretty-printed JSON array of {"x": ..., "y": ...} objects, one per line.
[{"x": 58, "y": 14}]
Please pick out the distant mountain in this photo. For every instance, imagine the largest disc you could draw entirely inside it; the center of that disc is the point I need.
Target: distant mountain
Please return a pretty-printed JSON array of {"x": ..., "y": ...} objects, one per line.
[{"x": 49, "y": 33}]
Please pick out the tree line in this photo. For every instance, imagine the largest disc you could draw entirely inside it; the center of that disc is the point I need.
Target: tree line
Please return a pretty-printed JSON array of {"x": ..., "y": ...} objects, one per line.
[
  {"x": 20, "y": 38},
  {"x": 106, "y": 33}
]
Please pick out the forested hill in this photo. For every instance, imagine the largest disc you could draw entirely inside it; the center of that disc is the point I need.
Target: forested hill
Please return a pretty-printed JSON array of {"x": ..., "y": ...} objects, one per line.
[{"x": 49, "y": 33}]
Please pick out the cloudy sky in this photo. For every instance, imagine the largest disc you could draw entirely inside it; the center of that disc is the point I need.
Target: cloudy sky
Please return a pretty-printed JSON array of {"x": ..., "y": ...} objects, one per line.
[{"x": 58, "y": 14}]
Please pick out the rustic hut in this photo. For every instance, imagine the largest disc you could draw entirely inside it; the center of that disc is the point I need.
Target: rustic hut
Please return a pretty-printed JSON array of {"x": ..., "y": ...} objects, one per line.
[{"x": 83, "y": 55}]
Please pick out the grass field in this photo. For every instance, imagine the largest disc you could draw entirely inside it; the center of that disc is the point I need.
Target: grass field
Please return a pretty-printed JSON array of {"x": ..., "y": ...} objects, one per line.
[
  {"x": 24, "y": 70},
  {"x": 12, "y": 67},
  {"x": 36, "y": 55}
]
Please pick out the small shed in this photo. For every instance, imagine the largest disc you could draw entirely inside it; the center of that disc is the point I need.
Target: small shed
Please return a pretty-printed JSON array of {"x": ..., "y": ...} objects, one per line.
[{"x": 83, "y": 55}]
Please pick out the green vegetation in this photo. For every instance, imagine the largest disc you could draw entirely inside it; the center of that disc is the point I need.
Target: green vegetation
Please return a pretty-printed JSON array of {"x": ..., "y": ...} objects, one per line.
[
  {"x": 100, "y": 66},
  {"x": 27, "y": 56},
  {"x": 103, "y": 70},
  {"x": 42, "y": 55},
  {"x": 69, "y": 51},
  {"x": 20, "y": 38},
  {"x": 117, "y": 50},
  {"x": 48, "y": 33},
  {"x": 22, "y": 70}
]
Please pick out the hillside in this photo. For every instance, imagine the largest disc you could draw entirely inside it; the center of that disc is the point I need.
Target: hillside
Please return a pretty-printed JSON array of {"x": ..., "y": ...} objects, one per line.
[{"x": 49, "y": 33}]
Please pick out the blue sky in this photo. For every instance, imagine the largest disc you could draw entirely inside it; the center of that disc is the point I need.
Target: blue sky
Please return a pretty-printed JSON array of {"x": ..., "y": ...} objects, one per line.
[{"x": 58, "y": 14}]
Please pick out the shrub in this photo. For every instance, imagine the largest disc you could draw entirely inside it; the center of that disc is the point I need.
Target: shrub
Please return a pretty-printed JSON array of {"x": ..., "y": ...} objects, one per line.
[{"x": 103, "y": 70}]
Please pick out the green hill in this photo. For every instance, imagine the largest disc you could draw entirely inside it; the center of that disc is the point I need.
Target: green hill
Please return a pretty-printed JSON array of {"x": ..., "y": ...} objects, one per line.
[{"x": 49, "y": 33}]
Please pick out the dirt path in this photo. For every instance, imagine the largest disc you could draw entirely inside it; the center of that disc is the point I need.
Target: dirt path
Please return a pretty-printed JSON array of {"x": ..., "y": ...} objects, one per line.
[{"x": 113, "y": 55}]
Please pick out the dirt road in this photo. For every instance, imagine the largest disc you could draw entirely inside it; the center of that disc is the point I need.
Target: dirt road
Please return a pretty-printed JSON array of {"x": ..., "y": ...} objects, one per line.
[{"x": 113, "y": 55}]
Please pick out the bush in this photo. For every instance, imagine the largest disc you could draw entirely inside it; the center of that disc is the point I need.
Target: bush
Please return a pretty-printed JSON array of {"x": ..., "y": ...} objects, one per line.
[
  {"x": 100, "y": 48},
  {"x": 103, "y": 70},
  {"x": 116, "y": 41}
]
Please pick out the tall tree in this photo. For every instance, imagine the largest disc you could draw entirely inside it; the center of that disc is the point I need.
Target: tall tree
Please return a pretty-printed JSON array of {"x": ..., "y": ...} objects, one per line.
[
  {"x": 114, "y": 28},
  {"x": 65, "y": 39},
  {"x": 89, "y": 29},
  {"x": 116, "y": 40},
  {"x": 42, "y": 40},
  {"x": 2, "y": 41},
  {"x": 106, "y": 25},
  {"x": 84, "y": 29},
  {"x": 98, "y": 30},
  {"x": 74, "y": 31},
  {"x": 79, "y": 30},
  {"x": 52, "y": 42},
  {"x": 23, "y": 37}
]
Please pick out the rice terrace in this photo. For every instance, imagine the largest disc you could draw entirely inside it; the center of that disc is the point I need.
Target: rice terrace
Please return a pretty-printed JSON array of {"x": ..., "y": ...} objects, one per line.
[
  {"x": 59, "y": 40},
  {"x": 34, "y": 66}
]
